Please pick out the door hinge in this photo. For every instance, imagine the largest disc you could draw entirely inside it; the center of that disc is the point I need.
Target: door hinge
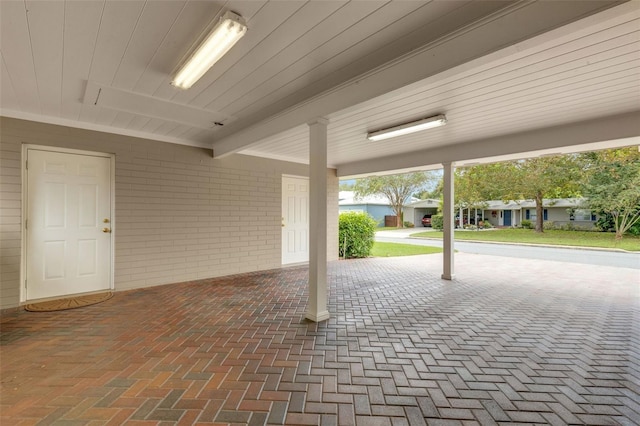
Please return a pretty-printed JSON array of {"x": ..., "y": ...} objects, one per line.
[
  {"x": 26, "y": 165},
  {"x": 26, "y": 224}
]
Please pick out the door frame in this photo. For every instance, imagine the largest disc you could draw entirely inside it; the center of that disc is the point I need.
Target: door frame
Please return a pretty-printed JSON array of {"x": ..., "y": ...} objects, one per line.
[{"x": 23, "y": 220}]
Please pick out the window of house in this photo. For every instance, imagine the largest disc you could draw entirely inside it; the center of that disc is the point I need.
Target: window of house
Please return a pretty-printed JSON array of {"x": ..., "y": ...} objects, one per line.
[
  {"x": 583, "y": 214},
  {"x": 531, "y": 214}
]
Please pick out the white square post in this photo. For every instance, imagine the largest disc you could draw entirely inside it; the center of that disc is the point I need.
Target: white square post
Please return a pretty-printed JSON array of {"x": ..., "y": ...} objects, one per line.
[
  {"x": 317, "y": 307},
  {"x": 448, "y": 222}
]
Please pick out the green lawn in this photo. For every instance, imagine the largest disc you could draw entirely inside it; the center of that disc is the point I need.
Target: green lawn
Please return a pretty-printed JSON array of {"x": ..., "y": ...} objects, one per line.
[
  {"x": 394, "y": 249},
  {"x": 565, "y": 238}
]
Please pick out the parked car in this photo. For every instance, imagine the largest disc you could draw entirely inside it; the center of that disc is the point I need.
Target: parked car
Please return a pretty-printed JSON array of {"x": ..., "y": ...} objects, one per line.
[{"x": 426, "y": 220}]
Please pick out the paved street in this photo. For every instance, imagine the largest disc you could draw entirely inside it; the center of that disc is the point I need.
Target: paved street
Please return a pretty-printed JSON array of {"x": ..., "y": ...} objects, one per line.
[{"x": 573, "y": 255}]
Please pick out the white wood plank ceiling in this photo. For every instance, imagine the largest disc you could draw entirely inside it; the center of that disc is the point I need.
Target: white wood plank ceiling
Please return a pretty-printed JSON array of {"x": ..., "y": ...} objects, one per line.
[
  {"x": 56, "y": 56},
  {"x": 572, "y": 74}
]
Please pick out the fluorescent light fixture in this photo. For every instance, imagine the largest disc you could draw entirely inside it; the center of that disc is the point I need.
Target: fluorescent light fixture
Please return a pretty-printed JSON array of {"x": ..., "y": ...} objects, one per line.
[
  {"x": 224, "y": 35},
  {"x": 405, "y": 129}
]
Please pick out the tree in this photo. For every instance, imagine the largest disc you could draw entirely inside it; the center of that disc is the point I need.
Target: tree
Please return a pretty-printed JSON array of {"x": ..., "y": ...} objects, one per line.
[
  {"x": 434, "y": 188},
  {"x": 529, "y": 179},
  {"x": 433, "y": 194},
  {"x": 612, "y": 186},
  {"x": 346, "y": 186},
  {"x": 397, "y": 189},
  {"x": 470, "y": 191}
]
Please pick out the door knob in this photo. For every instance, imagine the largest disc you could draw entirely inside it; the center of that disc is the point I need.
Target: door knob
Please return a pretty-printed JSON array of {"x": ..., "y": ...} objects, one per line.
[{"x": 106, "y": 230}]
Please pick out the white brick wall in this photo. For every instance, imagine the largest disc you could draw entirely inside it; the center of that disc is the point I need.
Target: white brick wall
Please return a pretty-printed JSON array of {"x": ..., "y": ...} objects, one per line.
[{"x": 180, "y": 215}]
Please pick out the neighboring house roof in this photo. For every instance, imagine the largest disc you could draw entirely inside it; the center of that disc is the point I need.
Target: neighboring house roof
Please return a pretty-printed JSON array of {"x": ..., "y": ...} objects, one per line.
[
  {"x": 501, "y": 205},
  {"x": 575, "y": 203},
  {"x": 429, "y": 202},
  {"x": 347, "y": 198}
]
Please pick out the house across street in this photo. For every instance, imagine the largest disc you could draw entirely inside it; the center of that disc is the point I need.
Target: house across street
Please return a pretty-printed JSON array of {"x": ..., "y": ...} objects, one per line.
[{"x": 560, "y": 211}]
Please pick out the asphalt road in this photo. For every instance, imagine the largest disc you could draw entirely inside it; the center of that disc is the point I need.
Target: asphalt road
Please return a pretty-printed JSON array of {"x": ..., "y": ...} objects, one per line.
[{"x": 574, "y": 255}]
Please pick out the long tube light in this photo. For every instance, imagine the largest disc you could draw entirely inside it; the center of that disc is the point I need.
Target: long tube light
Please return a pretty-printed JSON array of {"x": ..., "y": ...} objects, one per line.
[
  {"x": 405, "y": 129},
  {"x": 224, "y": 35}
]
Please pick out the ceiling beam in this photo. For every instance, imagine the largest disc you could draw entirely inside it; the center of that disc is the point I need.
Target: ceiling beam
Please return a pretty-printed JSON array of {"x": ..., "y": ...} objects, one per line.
[
  {"x": 100, "y": 128},
  {"x": 510, "y": 25},
  {"x": 612, "y": 131}
]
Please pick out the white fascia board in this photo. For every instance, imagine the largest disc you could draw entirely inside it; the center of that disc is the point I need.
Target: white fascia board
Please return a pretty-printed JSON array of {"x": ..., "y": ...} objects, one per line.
[
  {"x": 607, "y": 132},
  {"x": 514, "y": 24}
]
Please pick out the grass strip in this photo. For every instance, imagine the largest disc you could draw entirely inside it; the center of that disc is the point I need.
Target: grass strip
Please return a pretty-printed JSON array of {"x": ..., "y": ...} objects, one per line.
[
  {"x": 550, "y": 237},
  {"x": 396, "y": 249}
]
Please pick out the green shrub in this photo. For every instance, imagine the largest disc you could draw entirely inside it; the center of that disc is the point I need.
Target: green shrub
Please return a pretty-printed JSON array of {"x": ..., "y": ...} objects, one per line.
[
  {"x": 437, "y": 221},
  {"x": 356, "y": 232},
  {"x": 408, "y": 224},
  {"x": 486, "y": 224},
  {"x": 549, "y": 225},
  {"x": 635, "y": 229},
  {"x": 605, "y": 223},
  {"x": 526, "y": 224}
]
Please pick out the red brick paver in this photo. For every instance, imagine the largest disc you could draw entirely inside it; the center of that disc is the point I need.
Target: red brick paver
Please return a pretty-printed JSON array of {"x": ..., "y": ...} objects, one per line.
[{"x": 508, "y": 341}]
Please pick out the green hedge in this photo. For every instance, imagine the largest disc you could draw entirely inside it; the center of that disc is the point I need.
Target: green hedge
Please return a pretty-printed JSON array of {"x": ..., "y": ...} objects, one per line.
[
  {"x": 356, "y": 234},
  {"x": 437, "y": 221}
]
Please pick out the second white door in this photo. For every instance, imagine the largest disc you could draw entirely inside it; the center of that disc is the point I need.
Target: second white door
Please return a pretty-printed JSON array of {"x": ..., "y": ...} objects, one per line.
[{"x": 295, "y": 219}]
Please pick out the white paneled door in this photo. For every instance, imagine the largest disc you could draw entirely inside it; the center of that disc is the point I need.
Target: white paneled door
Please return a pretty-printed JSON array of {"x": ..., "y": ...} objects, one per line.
[
  {"x": 295, "y": 219},
  {"x": 68, "y": 224}
]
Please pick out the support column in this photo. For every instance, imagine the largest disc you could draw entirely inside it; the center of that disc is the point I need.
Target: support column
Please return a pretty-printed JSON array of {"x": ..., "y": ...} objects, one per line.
[
  {"x": 317, "y": 307},
  {"x": 520, "y": 215},
  {"x": 448, "y": 222}
]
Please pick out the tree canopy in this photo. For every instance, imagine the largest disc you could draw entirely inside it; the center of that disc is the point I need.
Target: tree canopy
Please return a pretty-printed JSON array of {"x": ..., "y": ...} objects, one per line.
[
  {"x": 529, "y": 179},
  {"x": 612, "y": 185},
  {"x": 397, "y": 189}
]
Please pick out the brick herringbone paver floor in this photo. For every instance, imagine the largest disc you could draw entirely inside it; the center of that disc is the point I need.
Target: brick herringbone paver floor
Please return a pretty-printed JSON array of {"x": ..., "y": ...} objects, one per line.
[{"x": 509, "y": 341}]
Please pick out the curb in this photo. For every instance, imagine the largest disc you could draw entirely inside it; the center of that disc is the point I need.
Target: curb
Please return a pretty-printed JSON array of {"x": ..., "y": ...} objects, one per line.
[{"x": 534, "y": 245}]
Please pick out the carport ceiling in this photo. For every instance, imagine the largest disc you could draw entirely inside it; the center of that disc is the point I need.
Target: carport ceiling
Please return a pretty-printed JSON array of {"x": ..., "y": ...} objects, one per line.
[
  {"x": 492, "y": 66},
  {"x": 583, "y": 71}
]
